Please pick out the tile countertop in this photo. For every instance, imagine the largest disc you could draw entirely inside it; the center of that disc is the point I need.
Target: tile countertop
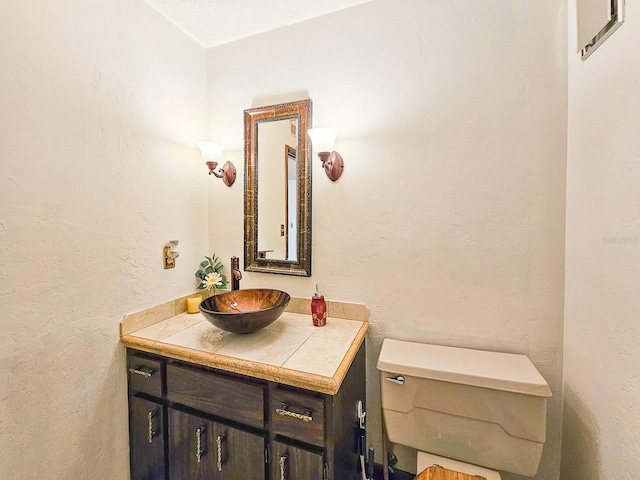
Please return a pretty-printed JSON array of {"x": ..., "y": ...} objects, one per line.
[{"x": 290, "y": 350}]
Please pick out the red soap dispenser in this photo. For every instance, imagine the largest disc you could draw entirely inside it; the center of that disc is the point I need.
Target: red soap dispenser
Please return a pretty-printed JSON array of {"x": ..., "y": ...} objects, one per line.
[{"x": 318, "y": 309}]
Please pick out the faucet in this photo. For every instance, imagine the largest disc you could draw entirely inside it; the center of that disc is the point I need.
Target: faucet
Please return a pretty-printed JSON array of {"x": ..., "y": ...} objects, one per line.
[{"x": 236, "y": 274}]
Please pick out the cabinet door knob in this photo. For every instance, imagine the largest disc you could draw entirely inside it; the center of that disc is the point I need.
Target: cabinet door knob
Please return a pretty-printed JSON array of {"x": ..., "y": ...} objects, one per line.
[
  {"x": 200, "y": 450},
  {"x": 283, "y": 467},
  {"x": 151, "y": 432},
  {"x": 284, "y": 410},
  {"x": 144, "y": 371},
  {"x": 221, "y": 438}
]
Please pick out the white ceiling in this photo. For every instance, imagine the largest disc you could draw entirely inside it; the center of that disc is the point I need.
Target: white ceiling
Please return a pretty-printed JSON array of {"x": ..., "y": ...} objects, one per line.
[{"x": 214, "y": 22}]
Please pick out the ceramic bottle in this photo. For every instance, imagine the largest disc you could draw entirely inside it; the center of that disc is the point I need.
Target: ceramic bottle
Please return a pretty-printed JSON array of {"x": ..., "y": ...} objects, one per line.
[{"x": 318, "y": 309}]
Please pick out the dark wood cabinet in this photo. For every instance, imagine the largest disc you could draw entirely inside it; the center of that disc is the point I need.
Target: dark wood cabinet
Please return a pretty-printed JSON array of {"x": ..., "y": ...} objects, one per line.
[
  {"x": 293, "y": 463},
  {"x": 147, "y": 439},
  {"x": 201, "y": 449},
  {"x": 216, "y": 394},
  {"x": 193, "y": 422},
  {"x": 242, "y": 454},
  {"x": 297, "y": 415},
  {"x": 190, "y": 444}
]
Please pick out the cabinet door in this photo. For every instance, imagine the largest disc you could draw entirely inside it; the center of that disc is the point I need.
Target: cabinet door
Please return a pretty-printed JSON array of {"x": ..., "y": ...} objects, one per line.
[
  {"x": 146, "y": 440},
  {"x": 200, "y": 449},
  {"x": 293, "y": 463},
  {"x": 191, "y": 453},
  {"x": 238, "y": 454}
]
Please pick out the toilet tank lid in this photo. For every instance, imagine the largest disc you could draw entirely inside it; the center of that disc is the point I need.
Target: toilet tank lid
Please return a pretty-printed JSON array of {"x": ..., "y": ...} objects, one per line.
[{"x": 498, "y": 371}]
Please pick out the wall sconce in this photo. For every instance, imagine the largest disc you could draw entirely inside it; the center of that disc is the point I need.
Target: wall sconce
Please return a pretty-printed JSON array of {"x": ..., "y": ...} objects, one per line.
[
  {"x": 211, "y": 152},
  {"x": 323, "y": 140}
]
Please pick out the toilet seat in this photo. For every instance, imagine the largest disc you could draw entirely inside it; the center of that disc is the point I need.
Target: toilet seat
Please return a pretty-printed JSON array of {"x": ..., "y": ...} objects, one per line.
[
  {"x": 436, "y": 472},
  {"x": 425, "y": 460}
]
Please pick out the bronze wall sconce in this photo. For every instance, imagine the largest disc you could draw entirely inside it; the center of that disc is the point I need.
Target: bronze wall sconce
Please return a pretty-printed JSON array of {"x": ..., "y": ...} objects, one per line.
[
  {"x": 323, "y": 140},
  {"x": 211, "y": 152}
]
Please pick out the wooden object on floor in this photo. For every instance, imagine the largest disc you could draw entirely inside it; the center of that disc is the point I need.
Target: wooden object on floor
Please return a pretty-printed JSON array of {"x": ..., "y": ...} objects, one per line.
[
  {"x": 437, "y": 472},
  {"x": 385, "y": 453}
]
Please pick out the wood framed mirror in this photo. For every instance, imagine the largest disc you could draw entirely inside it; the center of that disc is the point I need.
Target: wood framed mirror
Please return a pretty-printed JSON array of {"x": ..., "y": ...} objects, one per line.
[{"x": 277, "y": 189}]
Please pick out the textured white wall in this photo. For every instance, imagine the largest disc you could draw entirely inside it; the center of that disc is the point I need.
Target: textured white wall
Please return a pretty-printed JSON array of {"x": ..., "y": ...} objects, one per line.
[
  {"x": 216, "y": 22},
  {"x": 101, "y": 104},
  {"x": 601, "y": 425},
  {"x": 448, "y": 221}
]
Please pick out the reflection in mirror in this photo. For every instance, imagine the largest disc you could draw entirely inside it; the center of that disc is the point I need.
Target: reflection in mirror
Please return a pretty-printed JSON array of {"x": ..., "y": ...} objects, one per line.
[
  {"x": 274, "y": 194},
  {"x": 278, "y": 189},
  {"x": 291, "y": 200}
]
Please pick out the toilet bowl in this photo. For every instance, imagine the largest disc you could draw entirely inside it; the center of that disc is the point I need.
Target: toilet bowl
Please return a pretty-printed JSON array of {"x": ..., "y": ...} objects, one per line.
[{"x": 467, "y": 407}]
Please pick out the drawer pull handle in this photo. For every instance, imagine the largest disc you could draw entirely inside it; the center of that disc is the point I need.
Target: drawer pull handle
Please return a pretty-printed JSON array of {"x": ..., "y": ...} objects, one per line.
[
  {"x": 200, "y": 450},
  {"x": 151, "y": 432},
  {"x": 221, "y": 459},
  {"x": 285, "y": 412},
  {"x": 399, "y": 379},
  {"x": 283, "y": 467},
  {"x": 144, "y": 371}
]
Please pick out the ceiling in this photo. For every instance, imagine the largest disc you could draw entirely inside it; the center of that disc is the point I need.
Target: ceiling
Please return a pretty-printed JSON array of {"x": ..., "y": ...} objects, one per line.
[{"x": 214, "y": 22}]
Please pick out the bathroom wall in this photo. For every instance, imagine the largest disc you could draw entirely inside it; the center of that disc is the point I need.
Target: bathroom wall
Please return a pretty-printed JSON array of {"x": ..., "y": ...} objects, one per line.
[
  {"x": 101, "y": 106},
  {"x": 448, "y": 222},
  {"x": 601, "y": 426}
]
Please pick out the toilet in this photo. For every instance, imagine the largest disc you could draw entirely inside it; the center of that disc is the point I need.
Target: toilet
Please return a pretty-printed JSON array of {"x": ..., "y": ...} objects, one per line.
[{"x": 470, "y": 411}]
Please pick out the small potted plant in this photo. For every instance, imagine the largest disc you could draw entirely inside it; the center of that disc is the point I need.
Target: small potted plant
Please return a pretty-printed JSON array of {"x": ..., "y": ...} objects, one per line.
[{"x": 210, "y": 275}]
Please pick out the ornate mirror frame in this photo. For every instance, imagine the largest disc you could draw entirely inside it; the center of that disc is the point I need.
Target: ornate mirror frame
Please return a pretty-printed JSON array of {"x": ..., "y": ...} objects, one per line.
[{"x": 300, "y": 110}]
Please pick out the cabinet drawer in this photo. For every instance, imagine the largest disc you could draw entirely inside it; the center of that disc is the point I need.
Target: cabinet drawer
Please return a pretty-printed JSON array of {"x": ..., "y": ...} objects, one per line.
[
  {"x": 212, "y": 393},
  {"x": 145, "y": 374},
  {"x": 297, "y": 415}
]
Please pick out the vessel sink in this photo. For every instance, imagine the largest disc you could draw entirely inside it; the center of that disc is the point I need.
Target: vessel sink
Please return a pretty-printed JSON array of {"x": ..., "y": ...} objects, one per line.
[{"x": 245, "y": 311}]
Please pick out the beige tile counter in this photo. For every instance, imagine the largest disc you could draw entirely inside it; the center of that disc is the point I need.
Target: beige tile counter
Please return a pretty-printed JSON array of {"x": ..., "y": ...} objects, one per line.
[{"x": 290, "y": 351}]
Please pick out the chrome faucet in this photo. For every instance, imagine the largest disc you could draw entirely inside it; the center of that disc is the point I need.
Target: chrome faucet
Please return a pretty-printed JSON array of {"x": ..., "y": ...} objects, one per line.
[{"x": 236, "y": 274}]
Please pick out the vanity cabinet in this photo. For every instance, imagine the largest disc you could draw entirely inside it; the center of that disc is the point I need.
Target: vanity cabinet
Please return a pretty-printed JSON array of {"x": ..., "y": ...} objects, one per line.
[{"x": 193, "y": 422}]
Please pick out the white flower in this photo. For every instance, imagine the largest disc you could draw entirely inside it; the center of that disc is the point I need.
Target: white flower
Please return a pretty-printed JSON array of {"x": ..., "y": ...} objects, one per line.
[{"x": 213, "y": 280}]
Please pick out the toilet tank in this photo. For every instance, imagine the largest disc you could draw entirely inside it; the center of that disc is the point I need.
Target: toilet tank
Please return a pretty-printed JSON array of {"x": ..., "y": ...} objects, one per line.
[{"x": 480, "y": 407}]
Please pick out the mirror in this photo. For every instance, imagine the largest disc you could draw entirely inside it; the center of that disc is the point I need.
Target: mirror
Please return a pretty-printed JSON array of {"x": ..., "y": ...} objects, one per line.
[
  {"x": 597, "y": 20},
  {"x": 277, "y": 191}
]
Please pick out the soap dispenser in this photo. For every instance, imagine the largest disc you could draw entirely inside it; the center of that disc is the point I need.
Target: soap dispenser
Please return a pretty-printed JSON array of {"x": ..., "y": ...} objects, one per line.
[{"x": 318, "y": 309}]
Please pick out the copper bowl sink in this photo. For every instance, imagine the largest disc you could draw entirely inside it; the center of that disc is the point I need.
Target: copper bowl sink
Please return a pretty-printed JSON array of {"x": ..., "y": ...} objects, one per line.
[{"x": 244, "y": 311}]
